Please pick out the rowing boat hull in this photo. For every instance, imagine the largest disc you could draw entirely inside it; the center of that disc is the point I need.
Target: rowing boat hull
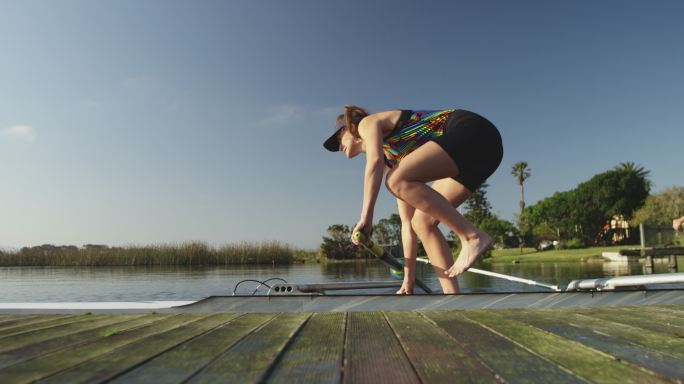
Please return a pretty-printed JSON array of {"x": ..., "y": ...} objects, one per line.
[{"x": 362, "y": 303}]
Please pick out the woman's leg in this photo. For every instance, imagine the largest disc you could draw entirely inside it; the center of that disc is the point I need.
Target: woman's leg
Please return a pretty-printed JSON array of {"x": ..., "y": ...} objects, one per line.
[
  {"x": 409, "y": 242},
  {"x": 433, "y": 239},
  {"x": 407, "y": 182}
]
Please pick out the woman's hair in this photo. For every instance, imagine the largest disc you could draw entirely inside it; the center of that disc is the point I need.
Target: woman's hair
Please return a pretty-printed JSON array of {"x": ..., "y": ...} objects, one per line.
[{"x": 352, "y": 116}]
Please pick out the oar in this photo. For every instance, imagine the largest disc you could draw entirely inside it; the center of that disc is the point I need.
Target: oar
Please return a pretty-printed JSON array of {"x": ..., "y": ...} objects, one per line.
[
  {"x": 502, "y": 276},
  {"x": 385, "y": 257}
]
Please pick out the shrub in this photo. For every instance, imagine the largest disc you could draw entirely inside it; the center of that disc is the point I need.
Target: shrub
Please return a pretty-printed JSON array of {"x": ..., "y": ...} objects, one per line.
[{"x": 573, "y": 243}]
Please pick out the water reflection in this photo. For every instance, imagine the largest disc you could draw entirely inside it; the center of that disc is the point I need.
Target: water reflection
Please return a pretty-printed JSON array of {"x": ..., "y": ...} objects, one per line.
[
  {"x": 621, "y": 268},
  {"x": 19, "y": 284}
]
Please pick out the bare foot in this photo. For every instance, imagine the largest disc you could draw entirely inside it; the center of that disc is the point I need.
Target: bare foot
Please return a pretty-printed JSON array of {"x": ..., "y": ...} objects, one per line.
[
  {"x": 472, "y": 249},
  {"x": 406, "y": 289}
]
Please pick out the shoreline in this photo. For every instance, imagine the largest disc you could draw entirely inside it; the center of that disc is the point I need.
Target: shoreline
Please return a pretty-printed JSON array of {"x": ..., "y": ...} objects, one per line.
[
  {"x": 273, "y": 253},
  {"x": 531, "y": 255}
]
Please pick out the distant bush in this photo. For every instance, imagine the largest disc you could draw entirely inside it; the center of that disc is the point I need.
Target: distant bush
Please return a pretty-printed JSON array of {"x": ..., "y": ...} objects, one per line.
[
  {"x": 573, "y": 243},
  {"x": 306, "y": 256},
  {"x": 660, "y": 208},
  {"x": 679, "y": 240},
  {"x": 338, "y": 246}
]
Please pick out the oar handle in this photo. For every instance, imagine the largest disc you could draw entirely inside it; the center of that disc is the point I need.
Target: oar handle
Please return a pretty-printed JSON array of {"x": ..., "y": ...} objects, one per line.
[
  {"x": 374, "y": 248},
  {"x": 359, "y": 236},
  {"x": 386, "y": 258}
]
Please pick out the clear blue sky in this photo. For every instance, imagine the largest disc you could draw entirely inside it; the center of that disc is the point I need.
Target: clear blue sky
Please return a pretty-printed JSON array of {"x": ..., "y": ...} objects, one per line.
[{"x": 141, "y": 122}]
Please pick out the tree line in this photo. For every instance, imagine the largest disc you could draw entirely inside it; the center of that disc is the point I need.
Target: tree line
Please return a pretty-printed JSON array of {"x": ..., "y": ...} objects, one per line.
[
  {"x": 574, "y": 218},
  {"x": 387, "y": 232},
  {"x": 579, "y": 215}
]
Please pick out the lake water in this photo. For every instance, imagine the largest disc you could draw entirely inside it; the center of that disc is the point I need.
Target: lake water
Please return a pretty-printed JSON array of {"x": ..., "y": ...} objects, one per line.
[{"x": 50, "y": 284}]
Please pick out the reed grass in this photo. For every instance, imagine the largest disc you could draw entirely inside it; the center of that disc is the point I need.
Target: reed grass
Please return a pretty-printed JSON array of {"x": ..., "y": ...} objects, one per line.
[{"x": 192, "y": 253}]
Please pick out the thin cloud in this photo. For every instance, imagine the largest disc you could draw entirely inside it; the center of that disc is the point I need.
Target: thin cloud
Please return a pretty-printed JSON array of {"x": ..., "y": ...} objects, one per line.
[
  {"x": 154, "y": 92},
  {"x": 288, "y": 113},
  {"x": 281, "y": 115},
  {"x": 20, "y": 133}
]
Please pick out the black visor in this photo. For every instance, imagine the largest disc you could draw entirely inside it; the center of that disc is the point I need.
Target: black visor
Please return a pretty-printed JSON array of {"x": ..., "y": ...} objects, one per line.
[{"x": 333, "y": 142}]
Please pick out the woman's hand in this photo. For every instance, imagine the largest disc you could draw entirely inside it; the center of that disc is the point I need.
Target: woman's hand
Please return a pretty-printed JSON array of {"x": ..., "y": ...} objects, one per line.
[
  {"x": 365, "y": 226},
  {"x": 677, "y": 224},
  {"x": 406, "y": 288}
]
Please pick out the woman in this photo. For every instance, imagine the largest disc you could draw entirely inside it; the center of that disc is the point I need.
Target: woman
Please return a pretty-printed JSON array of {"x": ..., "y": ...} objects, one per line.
[{"x": 456, "y": 149}]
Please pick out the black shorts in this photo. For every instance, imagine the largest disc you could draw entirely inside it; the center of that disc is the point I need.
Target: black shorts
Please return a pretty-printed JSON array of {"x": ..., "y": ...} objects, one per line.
[{"x": 475, "y": 145}]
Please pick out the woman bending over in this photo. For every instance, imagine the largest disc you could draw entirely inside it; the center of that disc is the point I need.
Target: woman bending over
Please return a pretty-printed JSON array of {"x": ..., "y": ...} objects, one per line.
[{"x": 455, "y": 149}]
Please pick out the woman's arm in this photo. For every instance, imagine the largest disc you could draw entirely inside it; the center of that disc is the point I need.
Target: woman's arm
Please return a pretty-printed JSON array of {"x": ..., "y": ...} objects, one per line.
[{"x": 371, "y": 133}]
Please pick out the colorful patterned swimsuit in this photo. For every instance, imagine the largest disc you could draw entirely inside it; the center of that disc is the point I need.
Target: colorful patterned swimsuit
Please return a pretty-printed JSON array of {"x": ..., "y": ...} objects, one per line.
[
  {"x": 472, "y": 141},
  {"x": 414, "y": 129}
]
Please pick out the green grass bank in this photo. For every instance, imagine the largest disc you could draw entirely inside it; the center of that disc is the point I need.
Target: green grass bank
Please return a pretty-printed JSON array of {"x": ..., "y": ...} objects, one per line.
[{"x": 531, "y": 255}]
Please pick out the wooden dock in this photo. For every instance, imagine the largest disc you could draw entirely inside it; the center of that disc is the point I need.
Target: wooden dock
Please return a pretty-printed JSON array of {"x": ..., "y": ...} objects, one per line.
[{"x": 638, "y": 344}]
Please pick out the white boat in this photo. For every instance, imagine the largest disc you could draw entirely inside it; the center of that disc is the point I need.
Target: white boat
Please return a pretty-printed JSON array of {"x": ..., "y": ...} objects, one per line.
[{"x": 283, "y": 297}]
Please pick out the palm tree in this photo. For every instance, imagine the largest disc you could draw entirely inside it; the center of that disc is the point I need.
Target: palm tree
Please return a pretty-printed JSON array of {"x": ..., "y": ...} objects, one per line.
[
  {"x": 637, "y": 170},
  {"x": 521, "y": 172},
  {"x": 630, "y": 166}
]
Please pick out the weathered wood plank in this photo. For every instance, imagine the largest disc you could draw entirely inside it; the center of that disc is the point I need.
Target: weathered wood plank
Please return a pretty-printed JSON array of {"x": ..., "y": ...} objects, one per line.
[
  {"x": 185, "y": 360},
  {"x": 640, "y": 356},
  {"x": 52, "y": 363},
  {"x": 632, "y": 344},
  {"x": 436, "y": 357},
  {"x": 667, "y": 317},
  {"x": 677, "y": 310},
  {"x": 315, "y": 355},
  {"x": 513, "y": 363},
  {"x": 250, "y": 359},
  {"x": 587, "y": 363},
  {"x": 6, "y": 318},
  {"x": 16, "y": 319},
  {"x": 120, "y": 323},
  {"x": 643, "y": 337},
  {"x": 373, "y": 353},
  {"x": 42, "y": 334},
  {"x": 33, "y": 323},
  {"x": 110, "y": 365},
  {"x": 637, "y": 319}
]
